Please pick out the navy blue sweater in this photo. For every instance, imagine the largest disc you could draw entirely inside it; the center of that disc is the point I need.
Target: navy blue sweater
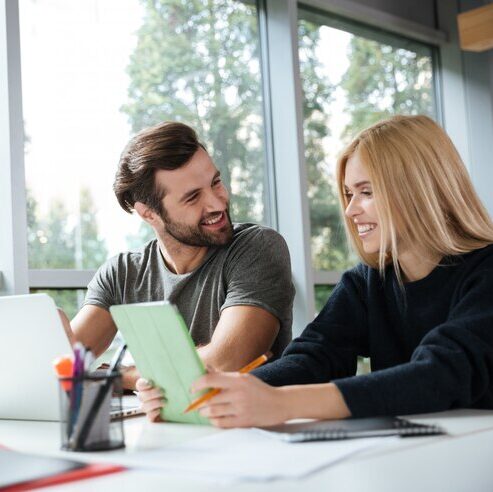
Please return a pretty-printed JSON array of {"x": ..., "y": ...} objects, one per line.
[{"x": 431, "y": 345}]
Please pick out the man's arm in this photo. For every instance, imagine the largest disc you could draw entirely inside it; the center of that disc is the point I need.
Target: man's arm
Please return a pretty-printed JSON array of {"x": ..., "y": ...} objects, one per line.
[
  {"x": 93, "y": 326},
  {"x": 242, "y": 334}
]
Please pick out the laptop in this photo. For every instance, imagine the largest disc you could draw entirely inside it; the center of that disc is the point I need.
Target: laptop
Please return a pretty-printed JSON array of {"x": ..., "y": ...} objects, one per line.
[{"x": 31, "y": 335}]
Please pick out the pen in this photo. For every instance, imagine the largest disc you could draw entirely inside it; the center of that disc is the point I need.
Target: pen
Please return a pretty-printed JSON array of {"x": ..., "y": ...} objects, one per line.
[
  {"x": 88, "y": 360},
  {"x": 100, "y": 396},
  {"x": 212, "y": 392},
  {"x": 77, "y": 387}
]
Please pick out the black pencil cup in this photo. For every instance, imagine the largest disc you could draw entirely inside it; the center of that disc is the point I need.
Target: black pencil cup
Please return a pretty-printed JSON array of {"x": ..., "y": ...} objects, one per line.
[{"x": 86, "y": 407}]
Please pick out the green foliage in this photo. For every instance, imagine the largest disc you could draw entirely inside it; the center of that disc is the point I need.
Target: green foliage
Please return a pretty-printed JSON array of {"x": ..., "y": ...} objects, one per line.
[
  {"x": 50, "y": 241},
  {"x": 144, "y": 234},
  {"x": 382, "y": 81},
  {"x": 322, "y": 293},
  {"x": 196, "y": 61},
  {"x": 329, "y": 251},
  {"x": 55, "y": 242},
  {"x": 93, "y": 248}
]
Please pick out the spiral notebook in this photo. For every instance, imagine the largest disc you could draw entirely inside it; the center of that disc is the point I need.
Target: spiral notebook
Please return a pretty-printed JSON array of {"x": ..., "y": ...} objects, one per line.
[{"x": 327, "y": 430}]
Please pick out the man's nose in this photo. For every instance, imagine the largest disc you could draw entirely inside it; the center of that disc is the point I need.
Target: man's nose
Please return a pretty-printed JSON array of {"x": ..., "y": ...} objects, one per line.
[{"x": 214, "y": 202}]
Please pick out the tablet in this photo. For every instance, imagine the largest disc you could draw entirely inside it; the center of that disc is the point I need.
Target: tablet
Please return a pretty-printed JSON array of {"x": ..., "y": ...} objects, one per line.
[{"x": 164, "y": 353}]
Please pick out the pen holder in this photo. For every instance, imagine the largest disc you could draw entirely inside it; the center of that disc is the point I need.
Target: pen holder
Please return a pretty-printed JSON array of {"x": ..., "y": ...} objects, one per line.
[{"x": 86, "y": 405}]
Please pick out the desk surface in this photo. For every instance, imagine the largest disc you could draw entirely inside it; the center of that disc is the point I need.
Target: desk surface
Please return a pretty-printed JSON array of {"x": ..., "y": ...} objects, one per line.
[{"x": 461, "y": 461}]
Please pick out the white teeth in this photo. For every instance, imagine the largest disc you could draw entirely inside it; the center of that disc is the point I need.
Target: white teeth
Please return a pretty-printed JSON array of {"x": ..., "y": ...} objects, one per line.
[
  {"x": 365, "y": 228},
  {"x": 215, "y": 220}
]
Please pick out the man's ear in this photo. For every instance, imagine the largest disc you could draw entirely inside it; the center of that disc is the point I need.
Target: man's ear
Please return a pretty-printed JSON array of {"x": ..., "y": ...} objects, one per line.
[{"x": 145, "y": 213}]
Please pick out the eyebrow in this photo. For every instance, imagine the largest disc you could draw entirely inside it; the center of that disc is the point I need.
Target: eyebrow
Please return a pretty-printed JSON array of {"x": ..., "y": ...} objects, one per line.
[
  {"x": 359, "y": 184},
  {"x": 190, "y": 193}
]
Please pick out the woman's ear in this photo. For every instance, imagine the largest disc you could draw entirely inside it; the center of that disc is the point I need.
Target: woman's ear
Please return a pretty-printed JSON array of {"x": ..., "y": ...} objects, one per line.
[{"x": 146, "y": 213}]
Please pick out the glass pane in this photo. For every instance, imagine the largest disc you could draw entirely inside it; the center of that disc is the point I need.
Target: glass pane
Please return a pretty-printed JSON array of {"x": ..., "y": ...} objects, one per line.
[
  {"x": 68, "y": 299},
  {"x": 94, "y": 73},
  {"x": 322, "y": 294},
  {"x": 352, "y": 77}
]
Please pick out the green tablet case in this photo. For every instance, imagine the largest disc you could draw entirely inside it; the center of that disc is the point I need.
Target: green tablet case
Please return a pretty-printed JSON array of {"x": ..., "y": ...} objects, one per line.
[{"x": 164, "y": 353}]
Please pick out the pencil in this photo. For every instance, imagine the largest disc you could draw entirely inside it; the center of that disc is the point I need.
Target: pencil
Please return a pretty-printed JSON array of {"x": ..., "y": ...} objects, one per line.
[{"x": 212, "y": 392}]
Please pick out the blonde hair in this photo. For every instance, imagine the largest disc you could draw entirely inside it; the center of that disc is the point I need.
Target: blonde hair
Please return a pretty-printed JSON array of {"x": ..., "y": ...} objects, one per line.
[{"x": 423, "y": 194}]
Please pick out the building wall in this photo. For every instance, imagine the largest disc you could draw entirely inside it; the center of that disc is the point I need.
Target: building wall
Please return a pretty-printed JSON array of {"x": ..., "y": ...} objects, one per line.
[
  {"x": 478, "y": 79},
  {"x": 420, "y": 11}
]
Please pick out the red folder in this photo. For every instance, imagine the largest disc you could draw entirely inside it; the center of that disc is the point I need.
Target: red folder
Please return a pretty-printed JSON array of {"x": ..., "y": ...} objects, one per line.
[{"x": 89, "y": 471}]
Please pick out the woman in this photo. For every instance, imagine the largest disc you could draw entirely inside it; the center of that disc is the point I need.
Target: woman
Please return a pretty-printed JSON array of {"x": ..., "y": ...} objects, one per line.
[{"x": 420, "y": 304}]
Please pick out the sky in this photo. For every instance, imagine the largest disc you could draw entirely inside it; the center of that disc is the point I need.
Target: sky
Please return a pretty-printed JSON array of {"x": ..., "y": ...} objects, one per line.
[{"x": 74, "y": 55}]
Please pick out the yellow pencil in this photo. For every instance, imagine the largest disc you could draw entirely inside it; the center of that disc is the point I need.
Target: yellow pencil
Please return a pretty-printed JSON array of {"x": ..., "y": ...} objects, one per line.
[{"x": 212, "y": 392}]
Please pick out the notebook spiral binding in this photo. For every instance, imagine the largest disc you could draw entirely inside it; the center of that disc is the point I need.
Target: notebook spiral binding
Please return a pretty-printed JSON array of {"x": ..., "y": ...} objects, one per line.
[{"x": 402, "y": 428}]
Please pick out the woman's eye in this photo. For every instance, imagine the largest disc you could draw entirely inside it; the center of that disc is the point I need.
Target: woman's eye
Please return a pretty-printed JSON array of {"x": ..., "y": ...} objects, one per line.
[
  {"x": 367, "y": 192},
  {"x": 348, "y": 196}
]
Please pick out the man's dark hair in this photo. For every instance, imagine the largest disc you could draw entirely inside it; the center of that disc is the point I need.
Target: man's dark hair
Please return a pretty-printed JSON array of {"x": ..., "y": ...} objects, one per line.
[{"x": 168, "y": 145}]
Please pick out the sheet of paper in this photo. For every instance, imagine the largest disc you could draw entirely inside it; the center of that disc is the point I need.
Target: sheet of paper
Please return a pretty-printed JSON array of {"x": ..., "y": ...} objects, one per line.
[{"x": 247, "y": 454}]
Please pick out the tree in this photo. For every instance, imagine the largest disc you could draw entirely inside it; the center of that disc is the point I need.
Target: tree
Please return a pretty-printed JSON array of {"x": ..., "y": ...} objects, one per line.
[
  {"x": 93, "y": 247},
  {"x": 50, "y": 239},
  {"x": 54, "y": 242},
  {"x": 144, "y": 234},
  {"x": 384, "y": 80},
  {"x": 381, "y": 80},
  {"x": 329, "y": 251},
  {"x": 196, "y": 61}
]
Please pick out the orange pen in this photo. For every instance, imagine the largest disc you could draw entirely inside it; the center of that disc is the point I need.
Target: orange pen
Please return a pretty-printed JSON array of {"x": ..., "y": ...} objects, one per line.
[
  {"x": 64, "y": 367},
  {"x": 212, "y": 392}
]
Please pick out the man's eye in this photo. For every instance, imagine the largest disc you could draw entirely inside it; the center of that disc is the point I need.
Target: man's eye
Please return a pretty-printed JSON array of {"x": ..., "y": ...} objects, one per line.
[
  {"x": 216, "y": 181},
  {"x": 192, "y": 198}
]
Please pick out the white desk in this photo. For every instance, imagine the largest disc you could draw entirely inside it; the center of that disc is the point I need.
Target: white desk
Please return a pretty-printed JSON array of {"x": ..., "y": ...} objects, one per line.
[{"x": 462, "y": 461}]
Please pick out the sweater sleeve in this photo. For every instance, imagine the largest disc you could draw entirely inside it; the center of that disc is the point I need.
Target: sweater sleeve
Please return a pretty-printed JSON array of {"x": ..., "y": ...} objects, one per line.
[
  {"x": 452, "y": 367},
  {"x": 328, "y": 347}
]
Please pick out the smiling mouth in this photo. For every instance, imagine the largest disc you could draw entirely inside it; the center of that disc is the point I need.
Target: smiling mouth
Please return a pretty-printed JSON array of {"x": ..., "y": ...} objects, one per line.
[
  {"x": 215, "y": 221},
  {"x": 365, "y": 229}
]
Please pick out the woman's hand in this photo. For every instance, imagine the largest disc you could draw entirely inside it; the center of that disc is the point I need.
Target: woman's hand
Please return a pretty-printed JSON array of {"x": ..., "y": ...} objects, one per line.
[
  {"x": 244, "y": 401},
  {"x": 152, "y": 399}
]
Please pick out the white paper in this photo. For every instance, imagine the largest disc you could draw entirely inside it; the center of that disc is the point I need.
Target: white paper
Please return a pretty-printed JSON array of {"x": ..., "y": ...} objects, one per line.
[{"x": 247, "y": 454}]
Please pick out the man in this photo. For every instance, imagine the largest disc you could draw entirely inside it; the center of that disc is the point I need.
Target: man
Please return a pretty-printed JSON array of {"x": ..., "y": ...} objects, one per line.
[{"x": 232, "y": 284}]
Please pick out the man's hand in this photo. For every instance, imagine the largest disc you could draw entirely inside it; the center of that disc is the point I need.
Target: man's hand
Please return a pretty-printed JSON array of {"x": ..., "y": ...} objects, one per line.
[
  {"x": 130, "y": 375},
  {"x": 152, "y": 399}
]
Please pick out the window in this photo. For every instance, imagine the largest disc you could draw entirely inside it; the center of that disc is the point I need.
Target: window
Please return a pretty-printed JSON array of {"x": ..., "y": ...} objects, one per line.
[
  {"x": 94, "y": 73},
  {"x": 352, "y": 77}
]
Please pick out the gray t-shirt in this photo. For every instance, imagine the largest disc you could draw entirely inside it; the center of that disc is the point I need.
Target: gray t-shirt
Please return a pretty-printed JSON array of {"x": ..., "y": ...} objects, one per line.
[{"x": 254, "y": 269}]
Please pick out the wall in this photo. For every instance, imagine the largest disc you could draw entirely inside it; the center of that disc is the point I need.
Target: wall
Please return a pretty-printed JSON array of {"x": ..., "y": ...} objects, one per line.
[
  {"x": 478, "y": 79},
  {"x": 420, "y": 11}
]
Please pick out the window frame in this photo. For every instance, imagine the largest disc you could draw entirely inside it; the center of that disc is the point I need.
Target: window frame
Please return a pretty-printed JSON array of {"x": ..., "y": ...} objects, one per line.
[
  {"x": 287, "y": 201},
  {"x": 424, "y": 38}
]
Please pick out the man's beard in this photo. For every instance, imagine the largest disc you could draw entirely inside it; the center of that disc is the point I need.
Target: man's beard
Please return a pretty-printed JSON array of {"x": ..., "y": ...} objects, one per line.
[{"x": 195, "y": 235}]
